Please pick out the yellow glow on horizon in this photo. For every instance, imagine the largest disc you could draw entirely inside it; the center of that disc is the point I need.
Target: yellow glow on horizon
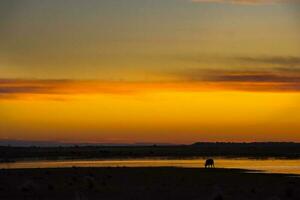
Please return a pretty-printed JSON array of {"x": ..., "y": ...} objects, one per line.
[{"x": 160, "y": 116}]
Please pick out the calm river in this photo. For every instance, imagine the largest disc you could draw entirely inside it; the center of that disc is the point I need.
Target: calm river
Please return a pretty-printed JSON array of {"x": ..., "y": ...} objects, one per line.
[{"x": 268, "y": 165}]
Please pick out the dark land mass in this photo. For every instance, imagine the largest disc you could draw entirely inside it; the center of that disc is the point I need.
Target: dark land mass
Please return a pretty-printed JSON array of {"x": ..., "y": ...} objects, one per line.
[
  {"x": 254, "y": 150},
  {"x": 145, "y": 183}
]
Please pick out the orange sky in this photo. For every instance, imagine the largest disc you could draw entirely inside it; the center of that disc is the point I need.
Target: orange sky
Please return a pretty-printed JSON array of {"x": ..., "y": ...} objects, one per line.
[
  {"x": 175, "y": 71},
  {"x": 148, "y": 112}
]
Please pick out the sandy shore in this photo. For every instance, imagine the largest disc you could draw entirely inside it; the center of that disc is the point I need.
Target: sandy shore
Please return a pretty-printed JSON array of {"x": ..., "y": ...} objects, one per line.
[{"x": 145, "y": 183}]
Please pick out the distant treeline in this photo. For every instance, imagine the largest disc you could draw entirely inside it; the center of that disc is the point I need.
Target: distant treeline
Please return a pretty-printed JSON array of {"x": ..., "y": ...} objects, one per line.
[{"x": 254, "y": 150}]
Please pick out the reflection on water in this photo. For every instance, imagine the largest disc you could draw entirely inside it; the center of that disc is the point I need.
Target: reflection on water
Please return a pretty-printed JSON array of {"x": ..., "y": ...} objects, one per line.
[{"x": 269, "y": 165}]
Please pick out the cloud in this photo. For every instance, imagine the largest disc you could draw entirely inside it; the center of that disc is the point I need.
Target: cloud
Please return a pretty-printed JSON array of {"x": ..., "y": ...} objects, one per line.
[
  {"x": 263, "y": 76},
  {"x": 277, "y": 61},
  {"x": 282, "y": 76},
  {"x": 270, "y": 74},
  {"x": 280, "y": 80},
  {"x": 289, "y": 61},
  {"x": 249, "y": 2},
  {"x": 60, "y": 87},
  {"x": 188, "y": 81}
]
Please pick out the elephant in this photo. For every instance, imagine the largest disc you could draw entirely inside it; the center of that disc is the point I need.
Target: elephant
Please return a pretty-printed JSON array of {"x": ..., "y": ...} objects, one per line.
[{"x": 209, "y": 163}]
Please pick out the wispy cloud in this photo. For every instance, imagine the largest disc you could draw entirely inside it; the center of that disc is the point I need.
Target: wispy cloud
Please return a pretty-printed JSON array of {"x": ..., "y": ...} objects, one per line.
[
  {"x": 270, "y": 74},
  {"x": 282, "y": 74},
  {"x": 245, "y": 76},
  {"x": 249, "y": 2},
  {"x": 275, "y": 61},
  {"x": 288, "y": 61},
  {"x": 189, "y": 81},
  {"x": 17, "y": 87},
  {"x": 268, "y": 80}
]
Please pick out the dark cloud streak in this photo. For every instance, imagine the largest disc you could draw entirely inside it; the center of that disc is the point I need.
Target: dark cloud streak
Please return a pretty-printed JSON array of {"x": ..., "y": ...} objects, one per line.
[
  {"x": 191, "y": 80},
  {"x": 277, "y": 61},
  {"x": 284, "y": 76},
  {"x": 288, "y": 61}
]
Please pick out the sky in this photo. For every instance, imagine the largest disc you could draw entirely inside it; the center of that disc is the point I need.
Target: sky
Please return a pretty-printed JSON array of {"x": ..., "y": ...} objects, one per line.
[{"x": 171, "y": 71}]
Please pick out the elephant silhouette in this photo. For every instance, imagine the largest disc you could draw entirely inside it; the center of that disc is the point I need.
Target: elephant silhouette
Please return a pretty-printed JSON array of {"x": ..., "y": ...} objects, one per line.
[{"x": 209, "y": 163}]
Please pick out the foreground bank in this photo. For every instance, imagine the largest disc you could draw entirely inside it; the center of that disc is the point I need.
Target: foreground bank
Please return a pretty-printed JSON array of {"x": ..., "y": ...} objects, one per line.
[{"x": 145, "y": 183}]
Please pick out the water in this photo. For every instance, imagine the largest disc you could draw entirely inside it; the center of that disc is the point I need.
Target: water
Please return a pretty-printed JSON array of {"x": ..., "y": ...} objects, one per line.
[{"x": 267, "y": 165}]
